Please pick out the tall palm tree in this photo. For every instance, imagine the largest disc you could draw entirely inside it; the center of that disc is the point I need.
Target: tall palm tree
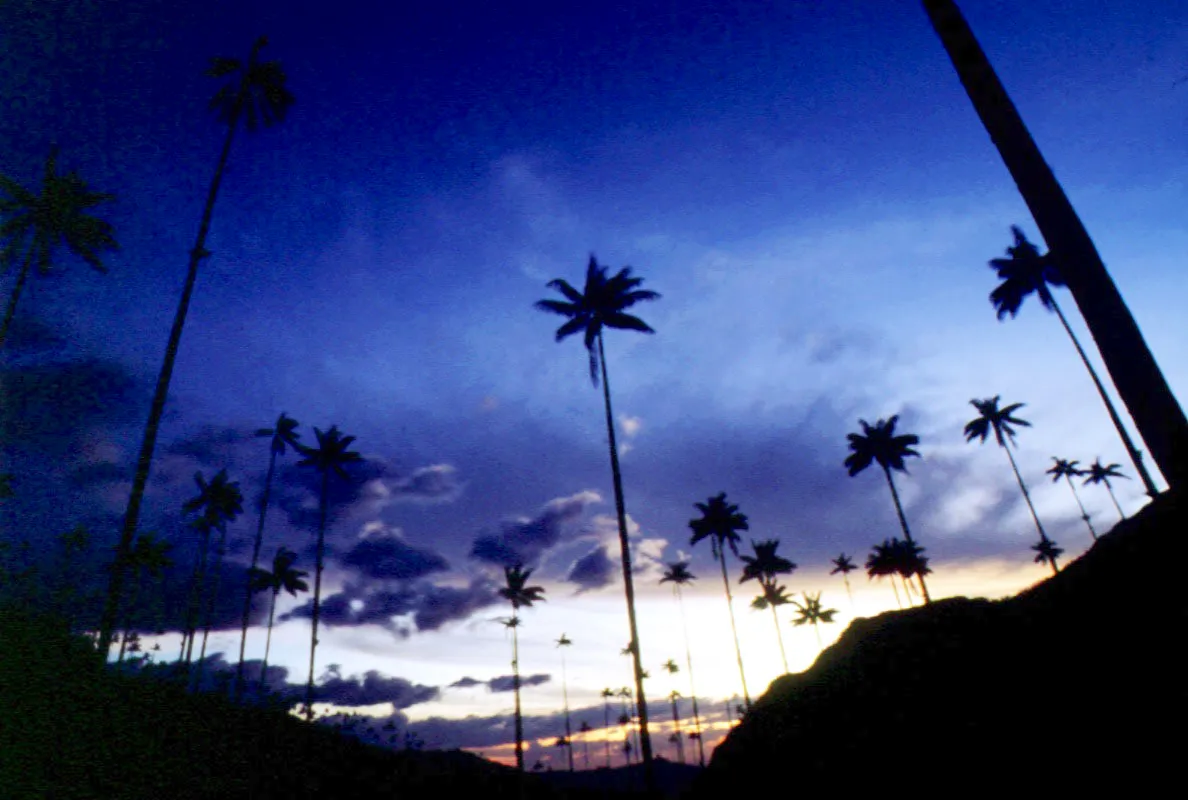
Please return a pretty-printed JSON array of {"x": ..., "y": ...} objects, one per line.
[
  {"x": 720, "y": 522},
  {"x": 219, "y": 502},
  {"x": 626, "y": 717},
  {"x": 676, "y": 722},
  {"x": 562, "y": 643},
  {"x": 1102, "y": 474},
  {"x": 607, "y": 694},
  {"x": 283, "y": 577},
  {"x": 878, "y": 444},
  {"x": 283, "y": 435},
  {"x": 1000, "y": 421},
  {"x": 810, "y": 611},
  {"x": 255, "y": 94},
  {"x": 773, "y": 596},
  {"x": 517, "y": 592},
  {"x": 601, "y": 305},
  {"x": 330, "y": 457},
  {"x": 149, "y": 558},
  {"x": 843, "y": 565},
  {"x": 882, "y": 563},
  {"x": 677, "y": 573},
  {"x": 585, "y": 730},
  {"x": 36, "y": 223},
  {"x": 1024, "y": 272},
  {"x": 1140, "y": 383},
  {"x": 1068, "y": 470},
  {"x": 766, "y": 563}
]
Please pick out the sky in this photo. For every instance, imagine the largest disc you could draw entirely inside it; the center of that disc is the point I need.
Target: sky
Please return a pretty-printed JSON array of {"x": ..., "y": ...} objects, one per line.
[{"x": 805, "y": 184}]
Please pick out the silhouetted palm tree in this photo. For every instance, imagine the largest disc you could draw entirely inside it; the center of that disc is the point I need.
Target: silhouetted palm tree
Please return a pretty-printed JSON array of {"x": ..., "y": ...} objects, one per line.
[
  {"x": 844, "y": 565},
  {"x": 1025, "y": 271},
  {"x": 676, "y": 723},
  {"x": 607, "y": 694},
  {"x": 603, "y": 304},
  {"x": 881, "y": 563},
  {"x": 878, "y": 444},
  {"x": 520, "y": 595},
  {"x": 678, "y": 575},
  {"x": 1000, "y": 421},
  {"x": 257, "y": 94},
  {"x": 149, "y": 557},
  {"x": 773, "y": 597},
  {"x": 282, "y": 436},
  {"x": 282, "y": 577},
  {"x": 1068, "y": 470},
  {"x": 720, "y": 522},
  {"x": 220, "y": 501},
  {"x": 1046, "y": 550},
  {"x": 36, "y": 223},
  {"x": 1099, "y": 474},
  {"x": 564, "y": 642},
  {"x": 811, "y": 612},
  {"x": 585, "y": 730},
  {"x": 329, "y": 458}
]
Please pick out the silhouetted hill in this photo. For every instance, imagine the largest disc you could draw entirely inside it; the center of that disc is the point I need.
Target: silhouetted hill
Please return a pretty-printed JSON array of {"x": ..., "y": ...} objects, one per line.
[{"x": 1077, "y": 682}]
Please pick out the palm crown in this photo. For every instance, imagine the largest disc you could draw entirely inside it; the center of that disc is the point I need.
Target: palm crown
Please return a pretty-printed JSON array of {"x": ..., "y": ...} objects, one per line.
[
  {"x": 878, "y": 443},
  {"x": 843, "y": 564},
  {"x": 1023, "y": 272},
  {"x": 282, "y": 576},
  {"x": 151, "y": 554},
  {"x": 283, "y": 435},
  {"x": 719, "y": 522},
  {"x": 516, "y": 592},
  {"x": 331, "y": 453},
  {"x": 1064, "y": 469},
  {"x": 220, "y": 500},
  {"x": 810, "y": 610},
  {"x": 766, "y": 563},
  {"x": 993, "y": 418},
  {"x": 1097, "y": 473},
  {"x": 678, "y": 574},
  {"x": 259, "y": 95},
  {"x": 601, "y": 304},
  {"x": 773, "y": 596}
]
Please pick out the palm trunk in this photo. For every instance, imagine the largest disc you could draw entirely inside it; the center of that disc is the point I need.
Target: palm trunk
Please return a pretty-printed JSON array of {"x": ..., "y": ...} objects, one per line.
[
  {"x": 692, "y": 688},
  {"x": 895, "y": 589},
  {"x": 129, "y": 609},
  {"x": 157, "y": 407},
  {"x": 904, "y": 524},
  {"x": 1136, "y": 456},
  {"x": 211, "y": 599},
  {"x": 676, "y": 729},
  {"x": 586, "y": 744},
  {"x": 10, "y": 312},
  {"x": 733, "y": 627},
  {"x": 516, "y": 689},
  {"x": 1135, "y": 373},
  {"x": 628, "y": 584},
  {"x": 247, "y": 592},
  {"x": 817, "y": 630},
  {"x": 779, "y": 638},
  {"x": 849, "y": 591},
  {"x": 195, "y": 598},
  {"x": 317, "y": 601},
  {"x": 1110, "y": 489},
  {"x": 565, "y": 698},
  {"x": 1027, "y": 497},
  {"x": 267, "y": 644},
  {"x": 1084, "y": 513},
  {"x": 606, "y": 730}
]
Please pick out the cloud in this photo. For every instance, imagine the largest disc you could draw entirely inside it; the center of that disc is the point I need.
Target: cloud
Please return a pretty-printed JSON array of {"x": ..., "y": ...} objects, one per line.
[
  {"x": 429, "y": 605},
  {"x": 592, "y": 571},
  {"x": 523, "y": 540},
  {"x": 506, "y": 683},
  {"x": 466, "y": 683},
  {"x": 383, "y": 554},
  {"x": 371, "y": 689},
  {"x": 433, "y": 484}
]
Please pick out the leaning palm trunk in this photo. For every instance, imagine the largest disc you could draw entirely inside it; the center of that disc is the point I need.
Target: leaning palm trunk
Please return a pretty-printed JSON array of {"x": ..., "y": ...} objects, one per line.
[
  {"x": 628, "y": 584},
  {"x": 779, "y": 638},
  {"x": 196, "y": 588},
  {"x": 1113, "y": 497},
  {"x": 692, "y": 688},
  {"x": 157, "y": 407},
  {"x": 317, "y": 598},
  {"x": 1080, "y": 505},
  {"x": 1136, "y": 457},
  {"x": 733, "y": 628},
  {"x": 16, "y": 293},
  {"x": 1027, "y": 496},
  {"x": 907, "y": 533},
  {"x": 129, "y": 610},
  {"x": 247, "y": 599},
  {"x": 267, "y": 644},
  {"x": 212, "y": 598},
  {"x": 1132, "y": 367}
]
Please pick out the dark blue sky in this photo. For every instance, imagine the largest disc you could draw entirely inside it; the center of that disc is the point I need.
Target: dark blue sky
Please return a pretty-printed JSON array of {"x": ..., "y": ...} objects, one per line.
[{"x": 805, "y": 183}]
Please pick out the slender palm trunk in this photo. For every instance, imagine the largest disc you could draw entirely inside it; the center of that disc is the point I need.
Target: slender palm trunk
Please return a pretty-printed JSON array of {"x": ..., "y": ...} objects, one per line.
[
  {"x": 895, "y": 589},
  {"x": 1084, "y": 513},
  {"x": 16, "y": 295},
  {"x": 676, "y": 729},
  {"x": 1136, "y": 455},
  {"x": 247, "y": 592},
  {"x": 779, "y": 638},
  {"x": 129, "y": 609},
  {"x": 849, "y": 591},
  {"x": 817, "y": 630},
  {"x": 196, "y": 589},
  {"x": 734, "y": 628},
  {"x": 317, "y": 600},
  {"x": 906, "y": 531},
  {"x": 212, "y": 598},
  {"x": 1027, "y": 496},
  {"x": 692, "y": 688},
  {"x": 628, "y": 583},
  {"x": 1110, "y": 489},
  {"x": 606, "y": 730},
  {"x": 586, "y": 745},
  {"x": 1135, "y": 373},
  {"x": 516, "y": 689},
  {"x": 267, "y": 644},
  {"x": 565, "y": 698}
]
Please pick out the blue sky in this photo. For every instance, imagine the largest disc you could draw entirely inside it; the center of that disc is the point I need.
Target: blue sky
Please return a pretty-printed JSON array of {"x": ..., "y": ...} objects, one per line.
[{"x": 808, "y": 188}]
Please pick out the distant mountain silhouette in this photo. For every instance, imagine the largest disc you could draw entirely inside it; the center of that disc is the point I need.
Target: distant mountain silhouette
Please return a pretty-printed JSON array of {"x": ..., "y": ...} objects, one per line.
[{"x": 1073, "y": 683}]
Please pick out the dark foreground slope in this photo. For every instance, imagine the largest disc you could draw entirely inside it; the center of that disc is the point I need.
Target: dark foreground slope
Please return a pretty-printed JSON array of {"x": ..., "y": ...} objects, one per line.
[{"x": 1076, "y": 682}]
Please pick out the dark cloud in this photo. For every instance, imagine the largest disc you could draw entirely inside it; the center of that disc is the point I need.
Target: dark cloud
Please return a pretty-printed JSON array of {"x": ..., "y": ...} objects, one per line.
[
  {"x": 593, "y": 570},
  {"x": 506, "y": 683},
  {"x": 433, "y": 484},
  {"x": 384, "y": 555},
  {"x": 213, "y": 444},
  {"x": 522, "y": 541},
  {"x": 466, "y": 683},
  {"x": 371, "y": 689},
  {"x": 430, "y": 606}
]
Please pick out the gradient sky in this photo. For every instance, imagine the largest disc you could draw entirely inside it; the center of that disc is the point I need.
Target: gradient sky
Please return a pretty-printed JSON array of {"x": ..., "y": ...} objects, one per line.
[{"x": 808, "y": 188}]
